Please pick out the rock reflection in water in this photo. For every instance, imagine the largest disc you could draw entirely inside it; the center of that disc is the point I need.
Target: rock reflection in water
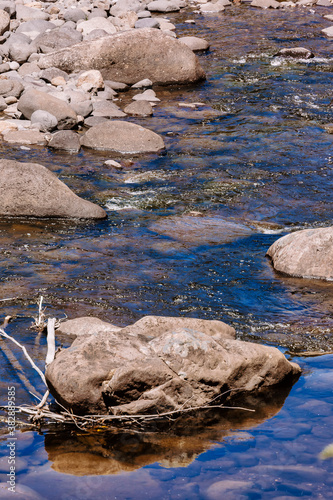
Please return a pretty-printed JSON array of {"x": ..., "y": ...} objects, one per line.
[{"x": 171, "y": 444}]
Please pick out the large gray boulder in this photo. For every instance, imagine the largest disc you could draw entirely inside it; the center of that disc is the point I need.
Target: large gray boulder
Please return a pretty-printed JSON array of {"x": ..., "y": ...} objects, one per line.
[
  {"x": 30, "y": 189},
  {"x": 306, "y": 254},
  {"x": 131, "y": 56},
  {"x": 123, "y": 137},
  {"x": 162, "y": 364},
  {"x": 33, "y": 100}
]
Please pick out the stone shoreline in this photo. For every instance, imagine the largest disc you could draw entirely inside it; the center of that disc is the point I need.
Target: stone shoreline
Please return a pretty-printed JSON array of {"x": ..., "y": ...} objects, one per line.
[{"x": 63, "y": 64}]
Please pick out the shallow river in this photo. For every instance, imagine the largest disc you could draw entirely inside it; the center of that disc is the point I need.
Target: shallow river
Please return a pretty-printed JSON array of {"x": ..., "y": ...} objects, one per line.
[{"x": 186, "y": 234}]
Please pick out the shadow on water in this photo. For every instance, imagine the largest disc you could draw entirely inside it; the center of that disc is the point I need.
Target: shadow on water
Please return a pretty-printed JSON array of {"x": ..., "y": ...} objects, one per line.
[{"x": 172, "y": 444}]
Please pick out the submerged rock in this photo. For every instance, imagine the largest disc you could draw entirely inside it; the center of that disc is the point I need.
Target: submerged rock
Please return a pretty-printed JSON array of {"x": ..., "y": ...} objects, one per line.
[
  {"x": 119, "y": 57},
  {"x": 295, "y": 53},
  {"x": 30, "y": 189},
  {"x": 306, "y": 254},
  {"x": 162, "y": 364},
  {"x": 200, "y": 230}
]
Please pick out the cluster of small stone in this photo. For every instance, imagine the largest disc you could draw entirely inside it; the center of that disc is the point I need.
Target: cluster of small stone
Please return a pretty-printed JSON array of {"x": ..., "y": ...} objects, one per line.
[
  {"x": 37, "y": 100},
  {"x": 43, "y": 96}
]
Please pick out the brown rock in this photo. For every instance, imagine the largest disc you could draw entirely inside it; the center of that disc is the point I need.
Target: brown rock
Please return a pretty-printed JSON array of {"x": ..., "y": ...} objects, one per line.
[
  {"x": 306, "y": 254},
  {"x": 66, "y": 140},
  {"x": 119, "y": 57},
  {"x": 122, "y": 137},
  {"x": 161, "y": 364},
  {"x": 107, "y": 109},
  {"x": 33, "y": 100},
  {"x": 25, "y": 137},
  {"x": 139, "y": 108},
  {"x": 29, "y": 189},
  {"x": 195, "y": 43}
]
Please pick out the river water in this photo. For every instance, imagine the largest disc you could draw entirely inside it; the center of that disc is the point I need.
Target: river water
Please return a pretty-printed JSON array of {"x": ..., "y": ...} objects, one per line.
[{"x": 186, "y": 235}]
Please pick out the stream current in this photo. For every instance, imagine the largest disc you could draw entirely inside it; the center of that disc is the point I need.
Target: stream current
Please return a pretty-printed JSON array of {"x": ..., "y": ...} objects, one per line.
[{"x": 186, "y": 235}]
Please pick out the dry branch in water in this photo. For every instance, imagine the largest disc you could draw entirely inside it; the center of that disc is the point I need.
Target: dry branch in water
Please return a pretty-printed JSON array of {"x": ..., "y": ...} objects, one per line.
[{"x": 42, "y": 412}]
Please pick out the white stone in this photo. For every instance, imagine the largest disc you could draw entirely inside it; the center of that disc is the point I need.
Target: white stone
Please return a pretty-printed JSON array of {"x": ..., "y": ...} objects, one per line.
[
  {"x": 143, "y": 83},
  {"x": 328, "y": 31},
  {"x": 112, "y": 163},
  {"x": 147, "y": 95}
]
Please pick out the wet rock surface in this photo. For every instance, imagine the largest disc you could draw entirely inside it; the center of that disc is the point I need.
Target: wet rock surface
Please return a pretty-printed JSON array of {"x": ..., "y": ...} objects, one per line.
[{"x": 160, "y": 364}]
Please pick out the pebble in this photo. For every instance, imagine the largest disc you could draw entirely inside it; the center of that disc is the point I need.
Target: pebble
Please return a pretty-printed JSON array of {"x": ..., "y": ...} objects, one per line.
[{"x": 113, "y": 163}]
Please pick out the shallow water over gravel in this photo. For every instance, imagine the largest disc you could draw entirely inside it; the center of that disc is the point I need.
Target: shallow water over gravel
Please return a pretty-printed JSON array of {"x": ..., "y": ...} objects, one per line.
[{"x": 187, "y": 235}]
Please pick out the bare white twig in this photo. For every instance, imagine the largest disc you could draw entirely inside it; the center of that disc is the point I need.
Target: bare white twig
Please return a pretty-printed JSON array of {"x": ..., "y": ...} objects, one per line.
[
  {"x": 40, "y": 322},
  {"x": 43, "y": 400},
  {"x": 50, "y": 341}
]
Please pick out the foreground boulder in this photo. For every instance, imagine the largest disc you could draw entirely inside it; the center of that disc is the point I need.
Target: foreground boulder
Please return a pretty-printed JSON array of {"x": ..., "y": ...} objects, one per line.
[
  {"x": 29, "y": 189},
  {"x": 162, "y": 364},
  {"x": 305, "y": 254},
  {"x": 122, "y": 137},
  {"x": 131, "y": 56}
]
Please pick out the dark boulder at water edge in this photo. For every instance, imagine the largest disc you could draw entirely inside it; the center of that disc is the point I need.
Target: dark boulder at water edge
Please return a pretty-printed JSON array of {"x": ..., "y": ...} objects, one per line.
[
  {"x": 162, "y": 364},
  {"x": 30, "y": 189}
]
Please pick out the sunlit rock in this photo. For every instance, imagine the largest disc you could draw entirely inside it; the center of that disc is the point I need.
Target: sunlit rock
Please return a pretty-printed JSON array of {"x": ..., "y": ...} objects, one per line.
[
  {"x": 305, "y": 254},
  {"x": 30, "y": 189},
  {"x": 123, "y": 137},
  {"x": 162, "y": 364},
  {"x": 119, "y": 57}
]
